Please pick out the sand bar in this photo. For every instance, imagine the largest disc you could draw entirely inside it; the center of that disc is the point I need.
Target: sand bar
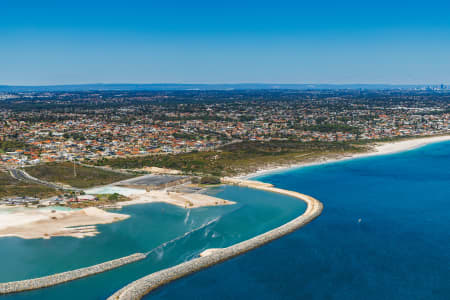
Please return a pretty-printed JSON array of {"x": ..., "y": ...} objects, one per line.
[
  {"x": 31, "y": 223},
  {"x": 185, "y": 200}
]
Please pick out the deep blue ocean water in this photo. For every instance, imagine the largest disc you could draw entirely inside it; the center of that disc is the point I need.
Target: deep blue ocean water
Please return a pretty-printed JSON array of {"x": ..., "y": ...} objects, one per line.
[
  {"x": 186, "y": 233},
  {"x": 400, "y": 248}
]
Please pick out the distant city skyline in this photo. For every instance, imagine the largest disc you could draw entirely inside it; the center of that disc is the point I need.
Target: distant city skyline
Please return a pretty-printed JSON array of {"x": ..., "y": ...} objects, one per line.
[
  {"x": 290, "y": 42},
  {"x": 212, "y": 86}
]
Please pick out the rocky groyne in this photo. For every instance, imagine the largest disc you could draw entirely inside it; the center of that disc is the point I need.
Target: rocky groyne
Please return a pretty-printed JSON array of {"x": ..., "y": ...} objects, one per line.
[
  {"x": 51, "y": 280},
  {"x": 141, "y": 287}
]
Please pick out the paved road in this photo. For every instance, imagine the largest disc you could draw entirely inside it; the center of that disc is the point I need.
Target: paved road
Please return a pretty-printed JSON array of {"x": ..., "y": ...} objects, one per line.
[{"x": 24, "y": 176}]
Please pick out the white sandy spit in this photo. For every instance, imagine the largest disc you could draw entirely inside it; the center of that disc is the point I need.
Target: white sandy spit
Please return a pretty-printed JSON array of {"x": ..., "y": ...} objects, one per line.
[
  {"x": 111, "y": 189},
  {"x": 186, "y": 200},
  {"x": 30, "y": 223}
]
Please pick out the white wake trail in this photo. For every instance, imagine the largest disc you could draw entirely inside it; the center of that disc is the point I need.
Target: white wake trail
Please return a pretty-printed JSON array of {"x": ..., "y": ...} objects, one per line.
[
  {"x": 160, "y": 249},
  {"x": 187, "y": 216}
]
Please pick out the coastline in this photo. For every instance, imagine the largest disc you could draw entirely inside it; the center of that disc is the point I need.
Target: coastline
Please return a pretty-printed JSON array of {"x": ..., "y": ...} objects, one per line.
[
  {"x": 141, "y": 287},
  {"x": 208, "y": 258},
  {"x": 383, "y": 148},
  {"x": 31, "y": 223},
  {"x": 82, "y": 223}
]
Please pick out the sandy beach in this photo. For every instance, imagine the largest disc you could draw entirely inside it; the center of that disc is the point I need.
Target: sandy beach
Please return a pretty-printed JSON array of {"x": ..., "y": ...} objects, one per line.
[
  {"x": 185, "y": 200},
  {"x": 378, "y": 149},
  {"x": 30, "y": 223}
]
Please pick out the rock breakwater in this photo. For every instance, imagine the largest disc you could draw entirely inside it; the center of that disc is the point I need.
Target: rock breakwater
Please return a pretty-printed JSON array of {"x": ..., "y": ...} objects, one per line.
[{"x": 51, "y": 280}]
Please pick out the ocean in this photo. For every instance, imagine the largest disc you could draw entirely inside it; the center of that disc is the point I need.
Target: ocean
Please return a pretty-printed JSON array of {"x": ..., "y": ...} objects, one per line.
[{"x": 384, "y": 234}]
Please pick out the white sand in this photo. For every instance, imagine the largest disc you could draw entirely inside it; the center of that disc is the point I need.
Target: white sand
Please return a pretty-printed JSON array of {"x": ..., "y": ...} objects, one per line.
[
  {"x": 156, "y": 170},
  {"x": 20, "y": 218},
  {"x": 111, "y": 189},
  {"x": 32, "y": 223},
  {"x": 186, "y": 200},
  {"x": 29, "y": 223},
  {"x": 379, "y": 149}
]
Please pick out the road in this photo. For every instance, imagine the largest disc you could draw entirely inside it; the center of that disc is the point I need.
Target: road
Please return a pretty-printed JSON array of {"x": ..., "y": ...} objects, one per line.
[{"x": 24, "y": 176}]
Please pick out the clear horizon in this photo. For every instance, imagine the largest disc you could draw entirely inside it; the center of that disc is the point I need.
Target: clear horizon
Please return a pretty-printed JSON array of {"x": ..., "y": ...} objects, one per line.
[
  {"x": 185, "y": 42},
  {"x": 227, "y": 83}
]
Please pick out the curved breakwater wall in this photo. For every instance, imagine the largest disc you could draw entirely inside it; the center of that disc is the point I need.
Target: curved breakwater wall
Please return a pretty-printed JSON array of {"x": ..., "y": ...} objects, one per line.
[
  {"x": 141, "y": 287},
  {"x": 42, "y": 282}
]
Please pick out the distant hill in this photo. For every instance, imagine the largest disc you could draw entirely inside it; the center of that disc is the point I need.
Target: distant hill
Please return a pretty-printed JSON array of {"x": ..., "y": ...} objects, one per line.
[{"x": 170, "y": 86}]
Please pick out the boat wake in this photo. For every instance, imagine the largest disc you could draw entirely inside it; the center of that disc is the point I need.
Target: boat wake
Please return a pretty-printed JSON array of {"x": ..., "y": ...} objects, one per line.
[
  {"x": 187, "y": 216},
  {"x": 160, "y": 249}
]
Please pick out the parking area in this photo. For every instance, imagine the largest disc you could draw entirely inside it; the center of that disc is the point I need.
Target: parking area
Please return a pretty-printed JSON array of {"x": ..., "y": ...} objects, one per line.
[{"x": 153, "y": 181}]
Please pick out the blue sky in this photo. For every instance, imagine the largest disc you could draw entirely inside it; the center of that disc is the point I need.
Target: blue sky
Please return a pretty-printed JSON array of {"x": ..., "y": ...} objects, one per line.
[{"x": 61, "y": 42}]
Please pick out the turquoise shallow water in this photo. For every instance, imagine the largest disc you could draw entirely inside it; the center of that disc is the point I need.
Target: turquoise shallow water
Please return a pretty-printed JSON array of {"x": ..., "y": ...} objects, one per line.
[
  {"x": 184, "y": 233},
  {"x": 399, "y": 250}
]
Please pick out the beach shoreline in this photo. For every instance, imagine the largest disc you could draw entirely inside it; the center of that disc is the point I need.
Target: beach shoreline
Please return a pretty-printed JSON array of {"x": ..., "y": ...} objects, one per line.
[
  {"x": 382, "y": 148},
  {"x": 31, "y": 223},
  {"x": 46, "y": 225},
  {"x": 35, "y": 224},
  {"x": 184, "y": 200}
]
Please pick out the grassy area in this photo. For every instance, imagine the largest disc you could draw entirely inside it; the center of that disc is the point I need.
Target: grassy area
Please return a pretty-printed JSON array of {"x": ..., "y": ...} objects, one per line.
[
  {"x": 86, "y": 177},
  {"x": 10, "y": 187},
  {"x": 237, "y": 158}
]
